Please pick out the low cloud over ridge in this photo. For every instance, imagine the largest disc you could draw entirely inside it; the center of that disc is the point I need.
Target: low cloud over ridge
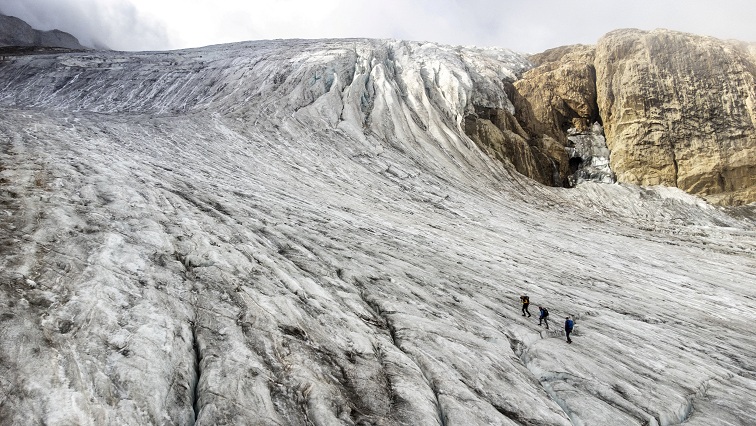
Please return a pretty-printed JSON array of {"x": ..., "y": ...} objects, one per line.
[{"x": 115, "y": 24}]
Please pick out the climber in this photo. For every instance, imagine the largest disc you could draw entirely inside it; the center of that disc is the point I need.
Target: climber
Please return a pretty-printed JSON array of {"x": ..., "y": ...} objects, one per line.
[
  {"x": 525, "y": 302},
  {"x": 544, "y": 316},
  {"x": 568, "y": 324}
]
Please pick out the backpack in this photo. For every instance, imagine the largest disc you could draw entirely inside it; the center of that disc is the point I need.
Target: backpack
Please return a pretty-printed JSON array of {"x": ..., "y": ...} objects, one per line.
[
  {"x": 525, "y": 299},
  {"x": 545, "y": 312}
]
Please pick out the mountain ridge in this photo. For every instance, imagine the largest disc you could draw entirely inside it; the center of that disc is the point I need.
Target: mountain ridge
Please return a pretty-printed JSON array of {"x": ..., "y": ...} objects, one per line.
[{"x": 15, "y": 32}]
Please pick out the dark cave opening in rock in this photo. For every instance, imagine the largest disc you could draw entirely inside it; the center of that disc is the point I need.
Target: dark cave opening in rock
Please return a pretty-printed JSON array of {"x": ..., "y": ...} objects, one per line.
[{"x": 575, "y": 163}]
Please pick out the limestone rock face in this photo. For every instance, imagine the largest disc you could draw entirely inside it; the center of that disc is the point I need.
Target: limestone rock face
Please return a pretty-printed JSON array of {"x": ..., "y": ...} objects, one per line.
[
  {"x": 498, "y": 133},
  {"x": 555, "y": 97},
  {"x": 560, "y": 92},
  {"x": 679, "y": 110}
]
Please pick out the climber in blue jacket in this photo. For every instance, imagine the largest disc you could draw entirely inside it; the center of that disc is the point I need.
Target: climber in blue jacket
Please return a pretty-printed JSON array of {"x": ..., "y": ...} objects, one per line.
[
  {"x": 568, "y": 324},
  {"x": 544, "y": 317}
]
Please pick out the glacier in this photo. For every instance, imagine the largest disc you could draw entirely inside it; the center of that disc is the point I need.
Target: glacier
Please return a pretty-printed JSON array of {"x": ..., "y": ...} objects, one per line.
[{"x": 299, "y": 232}]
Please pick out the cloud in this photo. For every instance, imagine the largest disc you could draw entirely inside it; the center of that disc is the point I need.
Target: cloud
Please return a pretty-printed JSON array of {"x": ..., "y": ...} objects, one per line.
[
  {"x": 527, "y": 26},
  {"x": 117, "y": 24}
]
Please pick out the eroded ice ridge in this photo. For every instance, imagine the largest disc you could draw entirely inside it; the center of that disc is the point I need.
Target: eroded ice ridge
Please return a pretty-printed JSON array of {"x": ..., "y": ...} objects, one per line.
[{"x": 298, "y": 232}]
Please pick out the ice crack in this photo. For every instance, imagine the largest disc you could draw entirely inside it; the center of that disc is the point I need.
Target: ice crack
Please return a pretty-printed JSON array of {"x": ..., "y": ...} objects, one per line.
[
  {"x": 395, "y": 340},
  {"x": 197, "y": 373}
]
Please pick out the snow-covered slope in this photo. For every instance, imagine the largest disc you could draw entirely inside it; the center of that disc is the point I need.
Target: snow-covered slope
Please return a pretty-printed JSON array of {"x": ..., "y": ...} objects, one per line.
[{"x": 298, "y": 232}]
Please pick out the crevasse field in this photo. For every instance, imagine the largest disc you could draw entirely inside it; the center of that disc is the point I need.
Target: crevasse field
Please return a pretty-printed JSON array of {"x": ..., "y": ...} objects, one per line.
[{"x": 300, "y": 233}]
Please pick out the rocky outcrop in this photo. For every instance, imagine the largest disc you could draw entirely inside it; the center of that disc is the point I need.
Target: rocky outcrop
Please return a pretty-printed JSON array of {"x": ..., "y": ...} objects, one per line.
[
  {"x": 554, "y": 106},
  {"x": 679, "y": 110},
  {"x": 15, "y": 32},
  {"x": 560, "y": 92},
  {"x": 498, "y": 133}
]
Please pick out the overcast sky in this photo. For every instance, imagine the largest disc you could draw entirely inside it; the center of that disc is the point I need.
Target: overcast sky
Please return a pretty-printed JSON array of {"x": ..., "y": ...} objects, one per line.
[{"x": 525, "y": 25}]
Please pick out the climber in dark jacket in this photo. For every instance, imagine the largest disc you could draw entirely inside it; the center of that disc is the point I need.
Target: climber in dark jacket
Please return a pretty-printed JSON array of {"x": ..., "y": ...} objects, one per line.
[
  {"x": 544, "y": 316},
  {"x": 568, "y": 324}
]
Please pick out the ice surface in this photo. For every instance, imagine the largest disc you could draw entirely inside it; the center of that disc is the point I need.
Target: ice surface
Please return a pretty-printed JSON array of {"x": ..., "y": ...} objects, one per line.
[
  {"x": 298, "y": 232},
  {"x": 590, "y": 149}
]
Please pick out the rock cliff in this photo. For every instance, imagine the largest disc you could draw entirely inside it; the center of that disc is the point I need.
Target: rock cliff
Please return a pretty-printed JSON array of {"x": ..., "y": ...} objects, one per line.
[
  {"x": 680, "y": 110},
  {"x": 17, "y": 33},
  {"x": 677, "y": 109},
  {"x": 548, "y": 100},
  {"x": 560, "y": 91},
  {"x": 498, "y": 133}
]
